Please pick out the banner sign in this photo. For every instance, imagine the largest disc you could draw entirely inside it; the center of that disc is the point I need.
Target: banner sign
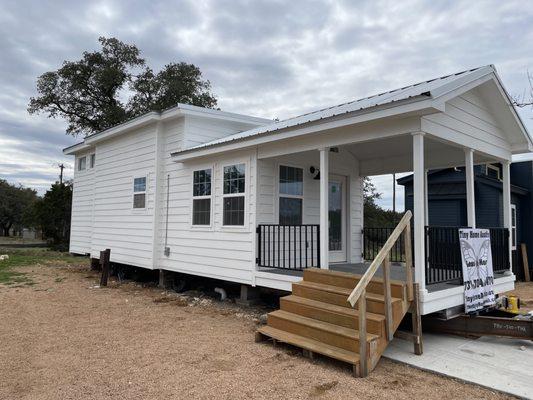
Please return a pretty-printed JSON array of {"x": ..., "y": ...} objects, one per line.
[{"x": 478, "y": 276}]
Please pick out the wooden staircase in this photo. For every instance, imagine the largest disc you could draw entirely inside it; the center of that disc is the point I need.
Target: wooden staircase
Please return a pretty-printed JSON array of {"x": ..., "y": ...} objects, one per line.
[{"x": 326, "y": 315}]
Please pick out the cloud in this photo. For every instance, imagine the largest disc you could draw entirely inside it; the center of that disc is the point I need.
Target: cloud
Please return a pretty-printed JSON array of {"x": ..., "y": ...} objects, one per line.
[{"x": 265, "y": 58}]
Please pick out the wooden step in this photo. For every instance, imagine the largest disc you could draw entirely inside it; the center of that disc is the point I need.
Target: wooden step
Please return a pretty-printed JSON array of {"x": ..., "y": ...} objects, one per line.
[
  {"x": 339, "y": 296},
  {"x": 334, "y": 314},
  {"x": 324, "y": 332},
  {"x": 310, "y": 345},
  {"x": 349, "y": 281}
]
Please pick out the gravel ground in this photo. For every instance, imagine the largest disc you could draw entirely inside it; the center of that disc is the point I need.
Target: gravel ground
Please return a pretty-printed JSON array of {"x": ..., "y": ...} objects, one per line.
[{"x": 65, "y": 338}]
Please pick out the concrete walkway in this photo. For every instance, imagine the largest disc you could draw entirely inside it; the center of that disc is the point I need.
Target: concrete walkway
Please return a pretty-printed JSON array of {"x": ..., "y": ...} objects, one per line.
[{"x": 498, "y": 363}]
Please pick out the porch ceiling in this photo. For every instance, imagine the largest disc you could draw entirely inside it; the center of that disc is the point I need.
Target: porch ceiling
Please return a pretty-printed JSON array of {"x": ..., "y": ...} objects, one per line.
[{"x": 395, "y": 154}]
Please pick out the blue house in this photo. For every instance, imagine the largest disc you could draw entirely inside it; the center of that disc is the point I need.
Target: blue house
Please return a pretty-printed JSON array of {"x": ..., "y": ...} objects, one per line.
[{"x": 447, "y": 201}]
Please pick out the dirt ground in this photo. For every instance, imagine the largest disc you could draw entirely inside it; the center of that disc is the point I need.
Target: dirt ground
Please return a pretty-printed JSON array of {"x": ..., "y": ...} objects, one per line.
[{"x": 62, "y": 337}]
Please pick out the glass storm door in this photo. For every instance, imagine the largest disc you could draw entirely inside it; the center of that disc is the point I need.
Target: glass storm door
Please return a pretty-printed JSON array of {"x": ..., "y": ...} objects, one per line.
[{"x": 337, "y": 218}]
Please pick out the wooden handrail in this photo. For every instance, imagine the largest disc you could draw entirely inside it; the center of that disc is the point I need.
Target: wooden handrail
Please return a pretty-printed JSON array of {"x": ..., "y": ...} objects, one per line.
[
  {"x": 358, "y": 295},
  {"x": 383, "y": 253}
]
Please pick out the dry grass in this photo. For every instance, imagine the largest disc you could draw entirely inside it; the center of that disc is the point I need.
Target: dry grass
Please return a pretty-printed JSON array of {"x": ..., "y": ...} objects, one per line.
[{"x": 63, "y": 338}]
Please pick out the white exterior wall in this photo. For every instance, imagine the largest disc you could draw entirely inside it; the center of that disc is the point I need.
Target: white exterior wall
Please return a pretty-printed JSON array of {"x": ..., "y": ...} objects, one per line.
[
  {"x": 215, "y": 251},
  {"x": 341, "y": 163},
  {"x": 82, "y": 207},
  {"x": 469, "y": 121},
  {"x": 117, "y": 225}
]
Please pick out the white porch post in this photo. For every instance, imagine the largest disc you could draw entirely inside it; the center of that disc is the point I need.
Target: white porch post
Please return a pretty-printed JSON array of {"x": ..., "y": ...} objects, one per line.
[
  {"x": 470, "y": 188},
  {"x": 426, "y": 199},
  {"x": 324, "y": 208},
  {"x": 419, "y": 205},
  {"x": 507, "y": 205}
]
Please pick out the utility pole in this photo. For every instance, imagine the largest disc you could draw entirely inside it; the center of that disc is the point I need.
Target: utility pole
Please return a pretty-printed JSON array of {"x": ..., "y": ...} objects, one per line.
[{"x": 61, "y": 167}]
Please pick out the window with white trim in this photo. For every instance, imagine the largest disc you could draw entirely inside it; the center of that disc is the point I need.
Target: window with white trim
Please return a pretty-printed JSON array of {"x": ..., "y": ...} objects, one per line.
[
  {"x": 233, "y": 197},
  {"x": 493, "y": 171},
  {"x": 201, "y": 192},
  {"x": 92, "y": 160},
  {"x": 290, "y": 195},
  {"x": 139, "y": 192},
  {"x": 513, "y": 226},
  {"x": 82, "y": 163}
]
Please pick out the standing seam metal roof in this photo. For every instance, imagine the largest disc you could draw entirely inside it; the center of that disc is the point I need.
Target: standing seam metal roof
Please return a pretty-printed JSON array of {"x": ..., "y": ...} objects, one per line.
[{"x": 416, "y": 90}]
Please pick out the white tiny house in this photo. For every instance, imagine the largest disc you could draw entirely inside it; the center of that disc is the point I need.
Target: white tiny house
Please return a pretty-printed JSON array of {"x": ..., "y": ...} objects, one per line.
[{"x": 254, "y": 201}]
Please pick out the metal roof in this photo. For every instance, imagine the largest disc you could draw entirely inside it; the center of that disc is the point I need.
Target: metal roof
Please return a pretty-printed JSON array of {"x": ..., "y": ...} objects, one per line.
[{"x": 421, "y": 89}]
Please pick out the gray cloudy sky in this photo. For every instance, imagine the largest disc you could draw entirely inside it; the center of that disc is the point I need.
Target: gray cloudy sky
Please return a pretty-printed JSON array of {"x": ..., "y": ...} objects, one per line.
[{"x": 265, "y": 58}]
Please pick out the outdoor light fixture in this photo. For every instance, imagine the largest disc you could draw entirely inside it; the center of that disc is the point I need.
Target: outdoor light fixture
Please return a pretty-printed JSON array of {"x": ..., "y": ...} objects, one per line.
[{"x": 313, "y": 171}]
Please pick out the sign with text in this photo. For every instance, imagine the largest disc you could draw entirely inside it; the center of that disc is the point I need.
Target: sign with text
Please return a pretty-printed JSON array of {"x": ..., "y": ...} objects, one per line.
[{"x": 478, "y": 276}]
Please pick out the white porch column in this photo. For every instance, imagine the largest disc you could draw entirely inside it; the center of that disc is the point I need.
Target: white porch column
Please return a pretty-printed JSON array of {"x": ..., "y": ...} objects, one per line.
[
  {"x": 324, "y": 208},
  {"x": 419, "y": 205},
  {"x": 426, "y": 199},
  {"x": 507, "y": 204},
  {"x": 470, "y": 188}
]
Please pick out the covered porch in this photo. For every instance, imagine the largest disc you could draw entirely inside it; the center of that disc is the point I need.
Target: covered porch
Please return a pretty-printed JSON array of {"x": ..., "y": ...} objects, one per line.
[{"x": 334, "y": 236}]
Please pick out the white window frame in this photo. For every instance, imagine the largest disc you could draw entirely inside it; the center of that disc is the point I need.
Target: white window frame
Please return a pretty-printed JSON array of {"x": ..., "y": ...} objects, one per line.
[
  {"x": 279, "y": 194},
  {"x": 513, "y": 227},
  {"x": 211, "y": 197},
  {"x": 490, "y": 166},
  {"x": 79, "y": 164},
  {"x": 245, "y": 225},
  {"x": 92, "y": 160},
  {"x": 133, "y": 193}
]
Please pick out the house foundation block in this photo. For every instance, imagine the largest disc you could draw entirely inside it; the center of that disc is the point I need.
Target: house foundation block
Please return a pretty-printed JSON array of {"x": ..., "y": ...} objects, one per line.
[
  {"x": 249, "y": 296},
  {"x": 165, "y": 279}
]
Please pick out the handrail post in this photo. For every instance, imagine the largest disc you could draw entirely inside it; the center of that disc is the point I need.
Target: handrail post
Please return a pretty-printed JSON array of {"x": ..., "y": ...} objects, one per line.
[
  {"x": 408, "y": 260},
  {"x": 363, "y": 366},
  {"x": 387, "y": 298}
]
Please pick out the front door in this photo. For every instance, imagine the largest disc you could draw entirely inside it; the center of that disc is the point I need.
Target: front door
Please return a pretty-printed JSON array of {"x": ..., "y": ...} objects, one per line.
[{"x": 337, "y": 218}]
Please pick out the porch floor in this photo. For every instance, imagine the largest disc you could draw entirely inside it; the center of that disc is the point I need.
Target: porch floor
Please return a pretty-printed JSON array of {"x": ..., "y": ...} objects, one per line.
[{"x": 397, "y": 273}]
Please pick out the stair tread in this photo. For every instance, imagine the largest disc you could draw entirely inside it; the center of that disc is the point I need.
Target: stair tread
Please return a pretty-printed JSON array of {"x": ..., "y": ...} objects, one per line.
[
  {"x": 342, "y": 274},
  {"x": 310, "y": 344},
  {"x": 343, "y": 291},
  {"x": 332, "y": 307},
  {"x": 317, "y": 324}
]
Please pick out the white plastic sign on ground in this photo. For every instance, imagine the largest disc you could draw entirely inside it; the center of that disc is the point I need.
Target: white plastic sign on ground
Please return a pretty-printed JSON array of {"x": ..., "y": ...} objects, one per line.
[{"x": 478, "y": 275}]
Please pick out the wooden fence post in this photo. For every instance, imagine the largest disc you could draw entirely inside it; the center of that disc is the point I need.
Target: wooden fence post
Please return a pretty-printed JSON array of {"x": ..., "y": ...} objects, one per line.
[
  {"x": 104, "y": 263},
  {"x": 417, "y": 321},
  {"x": 525, "y": 262}
]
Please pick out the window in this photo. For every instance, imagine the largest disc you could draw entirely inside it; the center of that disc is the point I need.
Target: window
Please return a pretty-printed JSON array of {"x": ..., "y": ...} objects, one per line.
[
  {"x": 201, "y": 203},
  {"x": 82, "y": 163},
  {"x": 92, "y": 160},
  {"x": 139, "y": 192},
  {"x": 513, "y": 226},
  {"x": 493, "y": 171},
  {"x": 290, "y": 195},
  {"x": 233, "y": 196}
]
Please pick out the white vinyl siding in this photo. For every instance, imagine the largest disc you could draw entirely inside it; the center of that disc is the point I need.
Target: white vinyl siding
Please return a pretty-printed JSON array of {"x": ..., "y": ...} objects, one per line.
[
  {"x": 82, "y": 209},
  {"x": 341, "y": 164},
  {"x": 117, "y": 225}
]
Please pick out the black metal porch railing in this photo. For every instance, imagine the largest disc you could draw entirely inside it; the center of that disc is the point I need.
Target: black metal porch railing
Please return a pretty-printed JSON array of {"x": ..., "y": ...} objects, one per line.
[
  {"x": 375, "y": 238},
  {"x": 443, "y": 254},
  {"x": 292, "y": 247}
]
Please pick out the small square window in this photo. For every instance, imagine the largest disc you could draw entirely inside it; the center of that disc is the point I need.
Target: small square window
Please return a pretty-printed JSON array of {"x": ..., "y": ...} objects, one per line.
[
  {"x": 201, "y": 212},
  {"x": 139, "y": 200},
  {"x": 234, "y": 211},
  {"x": 234, "y": 179},
  {"x": 82, "y": 163},
  {"x": 139, "y": 184}
]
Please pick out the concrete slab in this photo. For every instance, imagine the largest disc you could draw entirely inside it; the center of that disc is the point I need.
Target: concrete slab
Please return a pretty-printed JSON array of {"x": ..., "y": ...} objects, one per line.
[{"x": 502, "y": 364}]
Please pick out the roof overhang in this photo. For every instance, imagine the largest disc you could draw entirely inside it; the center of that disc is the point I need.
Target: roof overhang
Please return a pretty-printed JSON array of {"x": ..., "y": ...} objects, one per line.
[
  {"x": 418, "y": 105},
  {"x": 179, "y": 110}
]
